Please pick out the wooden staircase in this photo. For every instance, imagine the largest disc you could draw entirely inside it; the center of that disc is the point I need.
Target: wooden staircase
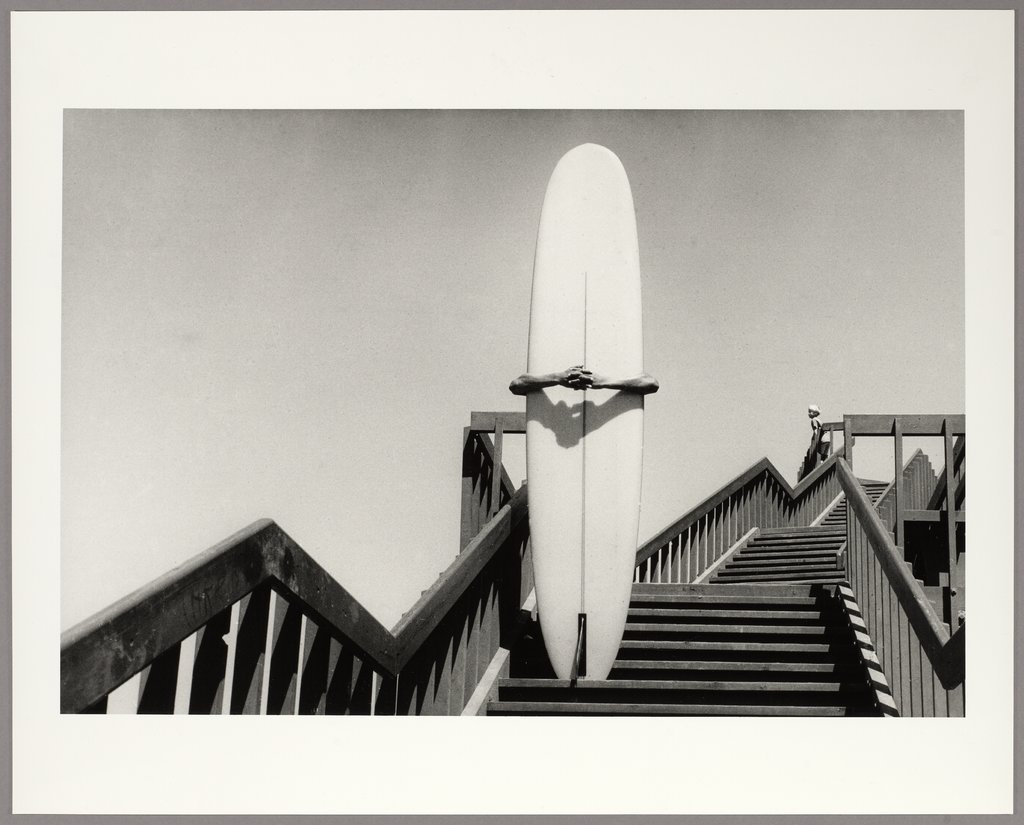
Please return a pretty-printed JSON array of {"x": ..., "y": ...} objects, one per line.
[
  {"x": 767, "y": 636},
  {"x": 789, "y": 554},
  {"x": 717, "y": 650},
  {"x": 836, "y": 517}
]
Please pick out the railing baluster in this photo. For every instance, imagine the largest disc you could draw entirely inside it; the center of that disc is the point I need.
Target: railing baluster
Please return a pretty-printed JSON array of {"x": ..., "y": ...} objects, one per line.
[
  {"x": 186, "y": 671},
  {"x": 231, "y": 640},
  {"x": 362, "y": 687},
  {"x": 210, "y": 665},
  {"x": 315, "y": 668},
  {"x": 927, "y": 677},
  {"x": 283, "y": 654},
  {"x": 899, "y": 503},
  {"x": 460, "y": 635},
  {"x": 338, "y": 690},
  {"x": 472, "y": 649},
  {"x": 250, "y": 652}
]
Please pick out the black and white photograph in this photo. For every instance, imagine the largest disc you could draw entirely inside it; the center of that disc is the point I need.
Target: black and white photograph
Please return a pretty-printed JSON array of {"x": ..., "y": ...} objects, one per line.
[
  {"x": 296, "y": 315},
  {"x": 629, "y": 419}
]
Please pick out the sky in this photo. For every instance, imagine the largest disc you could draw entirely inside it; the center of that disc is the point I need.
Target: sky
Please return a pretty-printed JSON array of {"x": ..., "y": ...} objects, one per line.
[{"x": 291, "y": 315}]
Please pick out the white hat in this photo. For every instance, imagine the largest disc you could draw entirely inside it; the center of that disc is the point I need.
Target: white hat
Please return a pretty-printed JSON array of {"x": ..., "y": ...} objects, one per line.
[{"x": 813, "y": 408}]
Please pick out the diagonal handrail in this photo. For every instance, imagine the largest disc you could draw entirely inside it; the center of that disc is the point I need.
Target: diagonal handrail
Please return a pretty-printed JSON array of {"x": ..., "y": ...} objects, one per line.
[
  {"x": 102, "y": 652},
  {"x": 944, "y": 651},
  {"x": 692, "y": 516}
]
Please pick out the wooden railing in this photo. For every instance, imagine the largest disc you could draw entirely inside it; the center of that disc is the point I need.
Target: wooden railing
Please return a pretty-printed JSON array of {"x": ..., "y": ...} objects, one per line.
[
  {"x": 484, "y": 492},
  {"x": 760, "y": 497},
  {"x": 944, "y": 511},
  {"x": 254, "y": 625},
  {"x": 923, "y": 662}
]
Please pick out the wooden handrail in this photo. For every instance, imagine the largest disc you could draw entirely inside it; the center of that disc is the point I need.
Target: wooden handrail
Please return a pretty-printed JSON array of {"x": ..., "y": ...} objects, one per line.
[
  {"x": 931, "y": 631},
  {"x": 100, "y": 653},
  {"x": 939, "y": 496},
  {"x": 914, "y": 425},
  {"x": 424, "y": 616},
  {"x": 688, "y": 519},
  {"x": 106, "y": 649}
]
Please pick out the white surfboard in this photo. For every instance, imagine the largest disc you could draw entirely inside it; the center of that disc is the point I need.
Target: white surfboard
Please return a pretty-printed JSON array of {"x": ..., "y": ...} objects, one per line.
[{"x": 584, "y": 448}]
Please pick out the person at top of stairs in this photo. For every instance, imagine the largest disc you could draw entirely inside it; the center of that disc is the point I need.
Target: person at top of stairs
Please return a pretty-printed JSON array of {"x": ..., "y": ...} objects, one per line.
[{"x": 819, "y": 448}]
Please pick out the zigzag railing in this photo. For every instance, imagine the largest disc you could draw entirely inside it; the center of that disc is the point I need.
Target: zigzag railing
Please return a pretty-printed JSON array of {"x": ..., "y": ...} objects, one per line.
[
  {"x": 759, "y": 497},
  {"x": 254, "y": 625}
]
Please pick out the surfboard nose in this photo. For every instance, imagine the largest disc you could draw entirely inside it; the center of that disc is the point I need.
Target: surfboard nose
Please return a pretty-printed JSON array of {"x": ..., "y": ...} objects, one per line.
[{"x": 590, "y": 153}]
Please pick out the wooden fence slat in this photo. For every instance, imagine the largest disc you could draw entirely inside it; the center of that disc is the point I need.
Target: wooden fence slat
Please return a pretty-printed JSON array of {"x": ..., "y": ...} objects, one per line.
[
  {"x": 284, "y": 657},
  {"x": 361, "y": 697},
  {"x": 183, "y": 683},
  {"x": 956, "y": 701},
  {"x": 209, "y": 665},
  {"x": 250, "y": 652},
  {"x": 470, "y": 608},
  {"x": 340, "y": 663},
  {"x": 458, "y": 696}
]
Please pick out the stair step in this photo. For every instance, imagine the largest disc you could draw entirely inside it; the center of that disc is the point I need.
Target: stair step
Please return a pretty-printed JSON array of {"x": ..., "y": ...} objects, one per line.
[
  {"x": 741, "y": 562},
  {"x": 709, "y": 591},
  {"x": 662, "y": 686},
  {"x": 666, "y": 628},
  {"x": 760, "y": 648},
  {"x": 774, "y": 570},
  {"x": 817, "y": 547},
  {"x": 697, "y": 669},
  {"x": 835, "y": 577},
  {"x": 769, "y": 574},
  {"x": 739, "y": 601},
  {"x": 707, "y": 613},
  {"x": 796, "y": 543},
  {"x": 640, "y": 709},
  {"x": 790, "y": 532}
]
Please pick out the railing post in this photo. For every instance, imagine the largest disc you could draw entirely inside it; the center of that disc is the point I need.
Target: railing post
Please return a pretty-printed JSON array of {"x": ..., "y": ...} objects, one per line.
[
  {"x": 848, "y": 441},
  {"x": 495, "y": 502},
  {"x": 955, "y": 594},
  {"x": 467, "y": 492},
  {"x": 897, "y": 433}
]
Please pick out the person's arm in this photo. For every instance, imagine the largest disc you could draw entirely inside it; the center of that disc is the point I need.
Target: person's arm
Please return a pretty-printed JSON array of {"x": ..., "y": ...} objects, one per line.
[
  {"x": 527, "y": 383},
  {"x": 641, "y": 384}
]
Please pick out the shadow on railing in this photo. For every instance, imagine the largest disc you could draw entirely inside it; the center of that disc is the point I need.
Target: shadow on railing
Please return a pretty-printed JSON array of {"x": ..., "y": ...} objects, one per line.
[
  {"x": 923, "y": 662},
  {"x": 759, "y": 497},
  {"x": 254, "y": 625}
]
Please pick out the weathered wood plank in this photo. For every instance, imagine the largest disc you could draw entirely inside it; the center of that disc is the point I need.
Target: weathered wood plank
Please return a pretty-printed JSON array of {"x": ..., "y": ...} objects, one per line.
[
  {"x": 109, "y": 647},
  {"x": 915, "y": 425},
  {"x": 329, "y": 602},
  {"x": 511, "y": 422}
]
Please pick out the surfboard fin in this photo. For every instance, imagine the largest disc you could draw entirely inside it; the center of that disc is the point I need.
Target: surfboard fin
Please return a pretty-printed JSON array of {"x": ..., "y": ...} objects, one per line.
[{"x": 579, "y": 662}]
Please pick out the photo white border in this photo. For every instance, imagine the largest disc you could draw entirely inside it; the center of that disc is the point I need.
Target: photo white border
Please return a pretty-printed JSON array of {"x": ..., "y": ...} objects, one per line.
[{"x": 509, "y": 60}]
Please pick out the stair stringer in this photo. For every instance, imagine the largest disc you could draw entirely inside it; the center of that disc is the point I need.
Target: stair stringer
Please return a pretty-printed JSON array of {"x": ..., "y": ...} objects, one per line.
[{"x": 872, "y": 667}]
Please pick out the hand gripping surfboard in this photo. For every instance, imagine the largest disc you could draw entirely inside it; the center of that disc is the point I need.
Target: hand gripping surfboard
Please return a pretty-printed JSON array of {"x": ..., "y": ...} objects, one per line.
[{"x": 584, "y": 448}]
